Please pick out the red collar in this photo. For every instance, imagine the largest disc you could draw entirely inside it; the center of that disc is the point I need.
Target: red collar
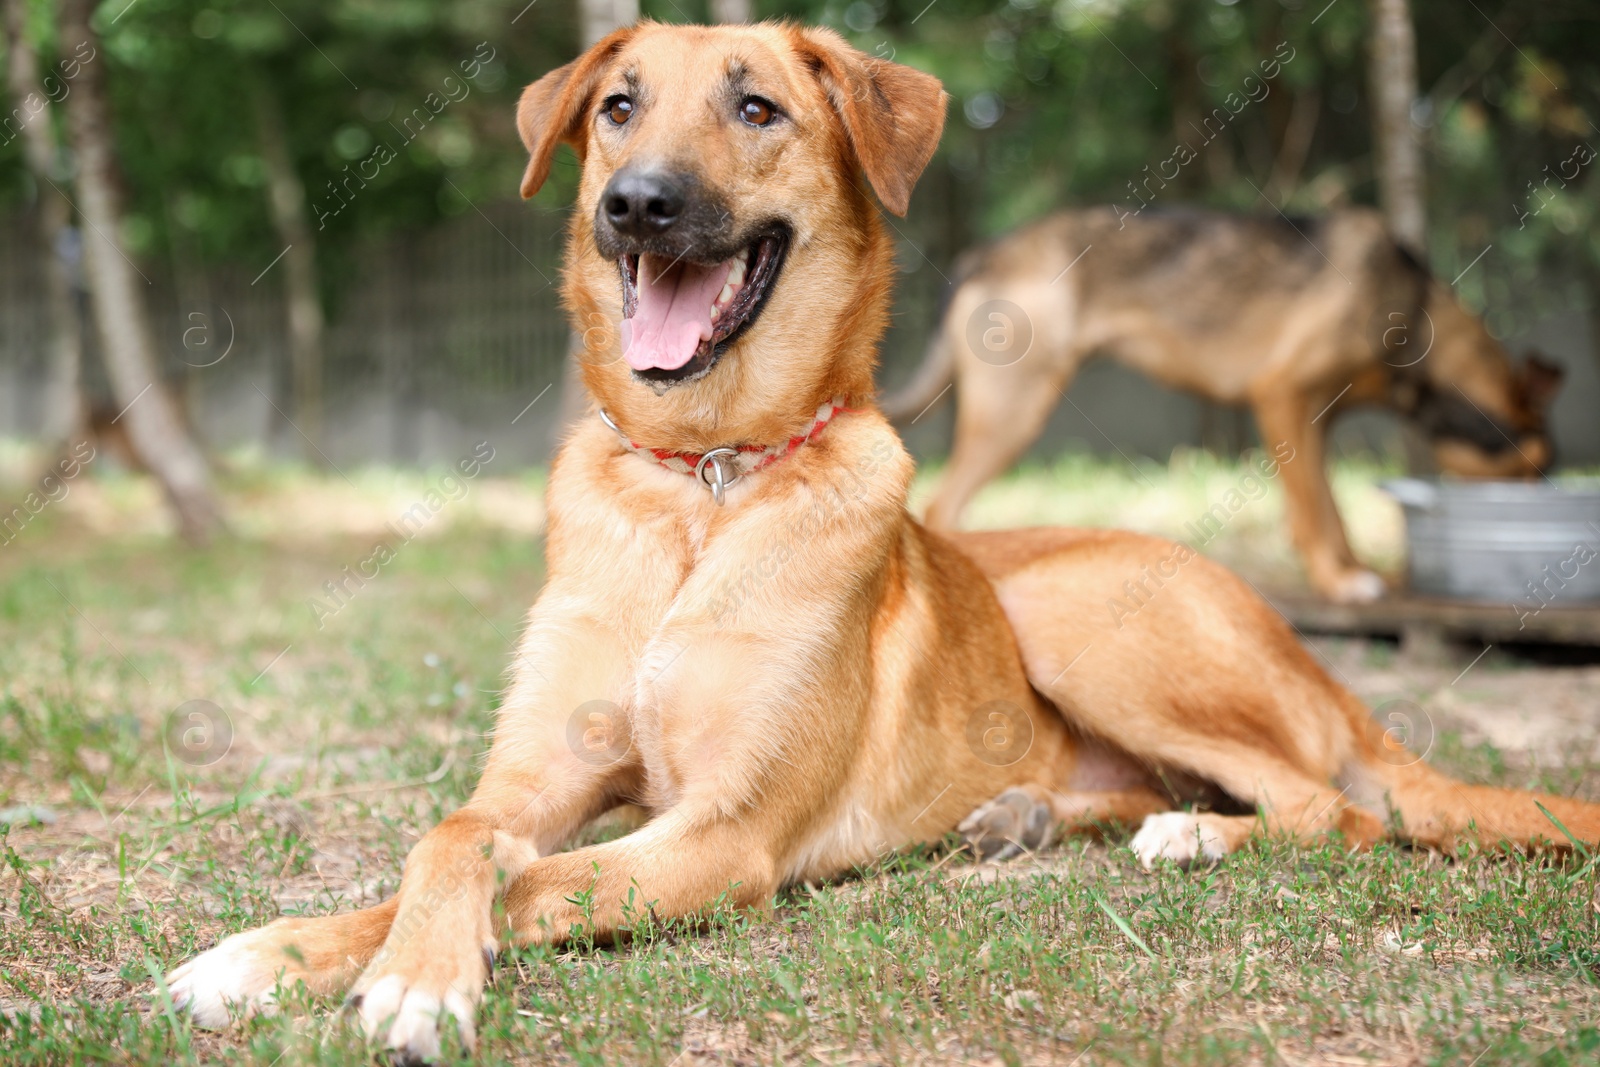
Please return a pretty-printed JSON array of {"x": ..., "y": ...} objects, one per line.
[{"x": 721, "y": 467}]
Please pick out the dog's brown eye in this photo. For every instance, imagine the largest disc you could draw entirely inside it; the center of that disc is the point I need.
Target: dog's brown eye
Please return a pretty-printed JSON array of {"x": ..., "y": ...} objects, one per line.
[
  {"x": 619, "y": 109},
  {"x": 755, "y": 111}
]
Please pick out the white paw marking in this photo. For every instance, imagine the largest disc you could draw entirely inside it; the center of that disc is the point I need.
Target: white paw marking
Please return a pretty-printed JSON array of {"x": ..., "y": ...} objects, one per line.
[
  {"x": 1361, "y": 587},
  {"x": 237, "y": 978},
  {"x": 407, "y": 1021},
  {"x": 415, "y": 1030},
  {"x": 1177, "y": 836},
  {"x": 380, "y": 1004}
]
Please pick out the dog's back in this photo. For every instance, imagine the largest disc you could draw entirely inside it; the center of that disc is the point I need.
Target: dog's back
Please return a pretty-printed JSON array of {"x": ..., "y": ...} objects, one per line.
[{"x": 1201, "y": 300}]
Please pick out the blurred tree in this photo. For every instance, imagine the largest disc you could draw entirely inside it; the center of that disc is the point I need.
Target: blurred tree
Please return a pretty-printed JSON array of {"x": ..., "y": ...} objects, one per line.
[
  {"x": 286, "y": 195},
  {"x": 600, "y": 17},
  {"x": 395, "y": 116},
  {"x": 730, "y": 10},
  {"x": 64, "y": 413},
  {"x": 155, "y": 429},
  {"x": 1394, "y": 95}
]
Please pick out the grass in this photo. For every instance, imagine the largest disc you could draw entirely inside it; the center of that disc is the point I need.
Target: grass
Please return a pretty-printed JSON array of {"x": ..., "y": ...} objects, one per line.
[
  {"x": 353, "y": 733},
  {"x": 1080, "y": 489}
]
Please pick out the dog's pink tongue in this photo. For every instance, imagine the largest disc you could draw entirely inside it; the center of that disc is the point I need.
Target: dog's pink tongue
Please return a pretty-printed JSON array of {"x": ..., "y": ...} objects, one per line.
[{"x": 673, "y": 314}]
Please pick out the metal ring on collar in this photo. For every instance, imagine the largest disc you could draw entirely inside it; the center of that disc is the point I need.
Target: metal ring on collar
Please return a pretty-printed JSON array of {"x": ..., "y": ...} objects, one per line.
[{"x": 722, "y": 473}]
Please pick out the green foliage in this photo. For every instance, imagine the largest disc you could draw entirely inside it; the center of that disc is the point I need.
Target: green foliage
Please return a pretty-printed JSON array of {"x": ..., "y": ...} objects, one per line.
[
  {"x": 1081, "y": 103},
  {"x": 434, "y": 84},
  {"x": 1064, "y": 102}
]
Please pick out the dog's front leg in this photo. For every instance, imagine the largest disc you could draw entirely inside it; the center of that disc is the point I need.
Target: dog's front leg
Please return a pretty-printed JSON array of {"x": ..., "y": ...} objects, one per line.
[
  {"x": 681, "y": 863},
  {"x": 422, "y": 951},
  {"x": 1287, "y": 418},
  {"x": 441, "y": 943},
  {"x": 537, "y": 788}
]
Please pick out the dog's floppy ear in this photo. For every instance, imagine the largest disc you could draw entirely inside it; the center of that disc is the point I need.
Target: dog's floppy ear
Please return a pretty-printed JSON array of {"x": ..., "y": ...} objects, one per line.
[
  {"x": 552, "y": 109},
  {"x": 893, "y": 114}
]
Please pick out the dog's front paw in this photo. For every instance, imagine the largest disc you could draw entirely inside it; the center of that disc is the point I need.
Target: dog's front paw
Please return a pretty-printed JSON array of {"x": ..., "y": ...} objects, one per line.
[
  {"x": 1008, "y": 825},
  {"x": 406, "y": 999},
  {"x": 236, "y": 979},
  {"x": 1357, "y": 587},
  {"x": 1179, "y": 837}
]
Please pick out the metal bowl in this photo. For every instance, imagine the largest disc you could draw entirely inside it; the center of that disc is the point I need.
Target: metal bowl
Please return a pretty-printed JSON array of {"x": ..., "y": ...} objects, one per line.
[{"x": 1529, "y": 544}]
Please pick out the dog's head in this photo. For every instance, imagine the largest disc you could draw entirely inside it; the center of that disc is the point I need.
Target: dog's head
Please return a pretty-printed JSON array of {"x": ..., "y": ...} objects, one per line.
[
  {"x": 726, "y": 267},
  {"x": 1505, "y": 433}
]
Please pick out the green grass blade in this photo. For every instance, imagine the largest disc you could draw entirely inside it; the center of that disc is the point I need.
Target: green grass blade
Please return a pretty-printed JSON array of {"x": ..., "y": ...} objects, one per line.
[
  {"x": 1122, "y": 924},
  {"x": 1583, "y": 850}
]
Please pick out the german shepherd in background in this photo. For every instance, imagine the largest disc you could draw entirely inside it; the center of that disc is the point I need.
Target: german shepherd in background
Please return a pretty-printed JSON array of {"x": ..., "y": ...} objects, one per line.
[{"x": 1299, "y": 318}]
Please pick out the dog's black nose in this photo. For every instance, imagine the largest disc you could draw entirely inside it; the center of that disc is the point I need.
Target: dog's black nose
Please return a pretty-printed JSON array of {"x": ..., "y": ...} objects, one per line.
[{"x": 640, "y": 205}]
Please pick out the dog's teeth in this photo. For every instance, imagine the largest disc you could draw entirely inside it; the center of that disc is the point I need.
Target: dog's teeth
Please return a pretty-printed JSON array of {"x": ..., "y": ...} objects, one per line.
[
  {"x": 723, "y": 297},
  {"x": 736, "y": 275}
]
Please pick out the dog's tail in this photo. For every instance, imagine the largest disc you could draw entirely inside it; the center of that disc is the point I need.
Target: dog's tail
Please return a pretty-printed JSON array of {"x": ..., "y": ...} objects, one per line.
[
  {"x": 927, "y": 385},
  {"x": 938, "y": 367},
  {"x": 1438, "y": 811}
]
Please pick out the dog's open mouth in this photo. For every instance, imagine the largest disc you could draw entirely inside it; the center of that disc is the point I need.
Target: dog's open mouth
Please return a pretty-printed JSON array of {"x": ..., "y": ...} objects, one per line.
[{"x": 679, "y": 316}]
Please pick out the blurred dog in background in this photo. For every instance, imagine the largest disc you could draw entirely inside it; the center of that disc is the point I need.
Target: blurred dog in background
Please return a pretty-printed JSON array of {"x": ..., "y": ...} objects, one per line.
[{"x": 1298, "y": 318}]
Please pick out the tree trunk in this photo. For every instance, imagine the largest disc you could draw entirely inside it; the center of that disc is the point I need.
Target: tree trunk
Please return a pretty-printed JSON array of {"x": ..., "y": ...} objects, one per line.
[
  {"x": 1591, "y": 273},
  {"x": 63, "y": 406},
  {"x": 1395, "y": 137},
  {"x": 597, "y": 18},
  {"x": 600, "y": 17},
  {"x": 155, "y": 429},
  {"x": 1295, "y": 145},
  {"x": 730, "y": 10},
  {"x": 286, "y": 195},
  {"x": 1184, "y": 83}
]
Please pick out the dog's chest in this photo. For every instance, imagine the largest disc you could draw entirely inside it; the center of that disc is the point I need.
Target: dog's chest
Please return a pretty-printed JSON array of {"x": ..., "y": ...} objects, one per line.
[
  {"x": 701, "y": 721},
  {"x": 739, "y": 629},
  {"x": 699, "y": 683}
]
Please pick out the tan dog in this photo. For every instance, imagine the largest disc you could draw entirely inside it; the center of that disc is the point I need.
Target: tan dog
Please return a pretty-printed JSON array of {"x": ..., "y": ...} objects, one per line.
[
  {"x": 1300, "y": 319},
  {"x": 744, "y": 632}
]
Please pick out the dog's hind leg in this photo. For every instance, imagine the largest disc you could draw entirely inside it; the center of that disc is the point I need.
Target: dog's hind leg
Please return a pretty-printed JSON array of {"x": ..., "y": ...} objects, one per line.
[
  {"x": 1430, "y": 808},
  {"x": 1012, "y": 368},
  {"x": 1288, "y": 803},
  {"x": 1425, "y": 807},
  {"x": 1178, "y": 664}
]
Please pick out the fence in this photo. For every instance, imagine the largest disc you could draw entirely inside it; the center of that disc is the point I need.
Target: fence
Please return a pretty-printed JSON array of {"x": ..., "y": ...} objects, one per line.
[
  {"x": 433, "y": 337},
  {"x": 441, "y": 338}
]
